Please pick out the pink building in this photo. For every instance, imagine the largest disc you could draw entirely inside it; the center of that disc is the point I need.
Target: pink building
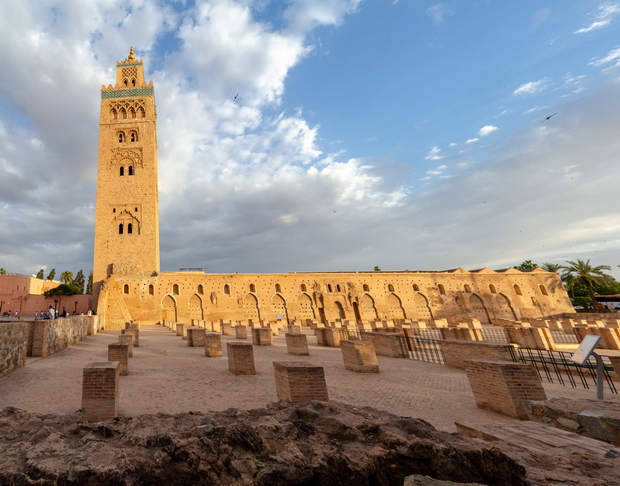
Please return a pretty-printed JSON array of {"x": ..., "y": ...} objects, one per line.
[{"x": 24, "y": 295}]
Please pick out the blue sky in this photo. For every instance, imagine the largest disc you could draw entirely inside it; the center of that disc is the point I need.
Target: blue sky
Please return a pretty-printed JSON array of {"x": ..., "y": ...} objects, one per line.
[{"x": 404, "y": 134}]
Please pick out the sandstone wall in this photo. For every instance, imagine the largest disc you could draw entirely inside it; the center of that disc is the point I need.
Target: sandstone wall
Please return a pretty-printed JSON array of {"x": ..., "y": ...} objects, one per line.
[
  {"x": 53, "y": 335},
  {"x": 454, "y": 295},
  {"x": 13, "y": 346}
]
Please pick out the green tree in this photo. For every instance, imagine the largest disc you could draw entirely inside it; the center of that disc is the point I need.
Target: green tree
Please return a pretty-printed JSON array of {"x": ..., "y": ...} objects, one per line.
[
  {"x": 78, "y": 281},
  {"x": 89, "y": 285},
  {"x": 2, "y": 271},
  {"x": 52, "y": 274},
  {"x": 552, "y": 267},
  {"x": 377, "y": 269},
  {"x": 62, "y": 289},
  {"x": 40, "y": 274},
  {"x": 583, "y": 273},
  {"x": 66, "y": 277},
  {"x": 527, "y": 265}
]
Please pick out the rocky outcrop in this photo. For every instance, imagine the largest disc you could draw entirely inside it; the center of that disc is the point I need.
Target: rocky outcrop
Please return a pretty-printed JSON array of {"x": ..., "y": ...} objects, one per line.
[
  {"x": 283, "y": 444},
  {"x": 599, "y": 419}
]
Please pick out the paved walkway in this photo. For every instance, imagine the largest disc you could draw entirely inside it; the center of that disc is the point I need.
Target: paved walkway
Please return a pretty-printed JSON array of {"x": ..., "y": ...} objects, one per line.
[{"x": 166, "y": 375}]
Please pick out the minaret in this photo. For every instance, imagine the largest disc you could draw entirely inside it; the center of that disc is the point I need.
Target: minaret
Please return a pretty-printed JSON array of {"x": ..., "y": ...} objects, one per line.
[{"x": 127, "y": 219}]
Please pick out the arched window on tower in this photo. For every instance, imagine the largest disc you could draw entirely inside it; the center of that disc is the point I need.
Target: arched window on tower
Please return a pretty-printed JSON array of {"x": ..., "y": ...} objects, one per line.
[
  {"x": 201, "y": 289},
  {"x": 442, "y": 289},
  {"x": 390, "y": 288},
  {"x": 492, "y": 289},
  {"x": 133, "y": 83},
  {"x": 126, "y": 288},
  {"x": 121, "y": 137},
  {"x": 278, "y": 288},
  {"x": 151, "y": 289},
  {"x": 130, "y": 170},
  {"x": 227, "y": 289},
  {"x": 123, "y": 113},
  {"x": 141, "y": 113},
  {"x": 133, "y": 136},
  {"x": 304, "y": 288},
  {"x": 122, "y": 171},
  {"x": 129, "y": 228},
  {"x": 125, "y": 82},
  {"x": 114, "y": 114},
  {"x": 175, "y": 289},
  {"x": 252, "y": 288},
  {"x": 366, "y": 288},
  {"x": 416, "y": 288},
  {"x": 132, "y": 113},
  {"x": 120, "y": 229},
  {"x": 517, "y": 290}
]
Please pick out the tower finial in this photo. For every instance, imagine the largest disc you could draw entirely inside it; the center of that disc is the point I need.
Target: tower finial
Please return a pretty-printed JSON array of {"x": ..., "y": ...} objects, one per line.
[{"x": 131, "y": 54}]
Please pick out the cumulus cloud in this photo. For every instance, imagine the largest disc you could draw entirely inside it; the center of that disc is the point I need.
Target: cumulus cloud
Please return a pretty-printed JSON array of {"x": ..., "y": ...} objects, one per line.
[
  {"x": 602, "y": 16},
  {"x": 248, "y": 186},
  {"x": 533, "y": 87},
  {"x": 472, "y": 140},
  {"x": 486, "y": 130}
]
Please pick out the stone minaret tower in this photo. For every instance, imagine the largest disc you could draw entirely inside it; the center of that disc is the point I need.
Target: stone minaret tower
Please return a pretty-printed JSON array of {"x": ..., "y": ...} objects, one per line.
[{"x": 127, "y": 219}]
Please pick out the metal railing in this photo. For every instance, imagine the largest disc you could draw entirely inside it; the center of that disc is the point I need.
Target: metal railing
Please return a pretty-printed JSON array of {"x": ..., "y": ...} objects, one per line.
[
  {"x": 556, "y": 367},
  {"x": 494, "y": 335},
  {"x": 428, "y": 350},
  {"x": 561, "y": 337}
]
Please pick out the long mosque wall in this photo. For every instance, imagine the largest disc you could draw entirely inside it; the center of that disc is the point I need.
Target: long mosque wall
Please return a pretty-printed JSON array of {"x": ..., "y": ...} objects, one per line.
[{"x": 453, "y": 295}]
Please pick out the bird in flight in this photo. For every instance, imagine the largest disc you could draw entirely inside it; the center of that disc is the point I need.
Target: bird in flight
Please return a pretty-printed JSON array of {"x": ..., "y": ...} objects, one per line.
[
  {"x": 235, "y": 98},
  {"x": 549, "y": 117}
]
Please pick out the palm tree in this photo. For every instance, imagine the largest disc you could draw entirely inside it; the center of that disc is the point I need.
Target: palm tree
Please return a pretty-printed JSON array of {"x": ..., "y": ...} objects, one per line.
[
  {"x": 66, "y": 277},
  {"x": 583, "y": 272},
  {"x": 2, "y": 271},
  {"x": 552, "y": 267}
]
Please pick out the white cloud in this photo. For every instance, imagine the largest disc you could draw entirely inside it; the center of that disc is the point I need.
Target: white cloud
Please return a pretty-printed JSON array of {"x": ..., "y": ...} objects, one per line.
[
  {"x": 433, "y": 154},
  {"x": 438, "y": 13},
  {"x": 613, "y": 55},
  {"x": 531, "y": 88},
  {"x": 534, "y": 109},
  {"x": 304, "y": 15},
  {"x": 602, "y": 15},
  {"x": 472, "y": 140},
  {"x": 486, "y": 130}
]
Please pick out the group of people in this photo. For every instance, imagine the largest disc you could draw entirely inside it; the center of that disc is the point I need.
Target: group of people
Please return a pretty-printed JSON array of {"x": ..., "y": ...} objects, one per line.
[{"x": 52, "y": 313}]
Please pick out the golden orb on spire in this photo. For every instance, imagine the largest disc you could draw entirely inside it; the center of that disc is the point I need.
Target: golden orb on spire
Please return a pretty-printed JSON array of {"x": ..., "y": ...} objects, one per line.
[{"x": 131, "y": 54}]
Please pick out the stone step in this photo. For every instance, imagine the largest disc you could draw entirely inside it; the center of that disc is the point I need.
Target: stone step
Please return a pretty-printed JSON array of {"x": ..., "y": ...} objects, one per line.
[{"x": 535, "y": 437}]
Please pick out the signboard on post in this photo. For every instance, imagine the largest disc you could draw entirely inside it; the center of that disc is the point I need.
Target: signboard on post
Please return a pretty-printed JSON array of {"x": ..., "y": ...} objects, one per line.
[{"x": 585, "y": 349}]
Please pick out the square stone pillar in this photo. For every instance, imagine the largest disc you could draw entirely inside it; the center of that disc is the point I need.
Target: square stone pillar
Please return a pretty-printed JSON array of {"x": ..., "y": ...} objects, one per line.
[
  {"x": 180, "y": 329},
  {"x": 296, "y": 344},
  {"x": 531, "y": 337},
  {"x": 213, "y": 345},
  {"x": 135, "y": 333},
  {"x": 100, "y": 397},
  {"x": 333, "y": 336},
  {"x": 274, "y": 327},
  {"x": 294, "y": 329},
  {"x": 319, "y": 332},
  {"x": 120, "y": 352},
  {"x": 615, "y": 364},
  {"x": 226, "y": 329},
  {"x": 127, "y": 339},
  {"x": 261, "y": 336},
  {"x": 359, "y": 356},
  {"x": 240, "y": 358},
  {"x": 195, "y": 336},
  {"x": 504, "y": 386},
  {"x": 241, "y": 332},
  {"x": 300, "y": 382},
  {"x": 215, "y": 326}
]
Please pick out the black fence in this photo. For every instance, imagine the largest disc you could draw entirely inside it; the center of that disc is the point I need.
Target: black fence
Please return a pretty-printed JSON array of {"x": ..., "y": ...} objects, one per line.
[
  {"x": 556, "y": 367},
  {"x": 428, "y": 350}
]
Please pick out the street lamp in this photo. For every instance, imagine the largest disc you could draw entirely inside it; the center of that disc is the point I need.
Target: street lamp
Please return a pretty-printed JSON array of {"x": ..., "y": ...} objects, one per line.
[{"x": 75, "y": 310}]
